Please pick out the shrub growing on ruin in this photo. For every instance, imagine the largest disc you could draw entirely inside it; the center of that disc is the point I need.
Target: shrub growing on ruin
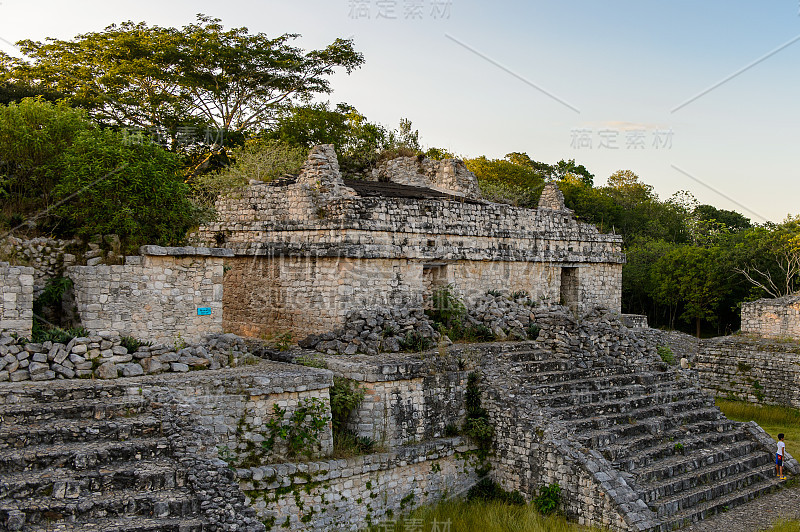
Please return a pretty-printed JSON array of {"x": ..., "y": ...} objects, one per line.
[
  {"x": 346, "y": 396},
  {"x": 476, "y": 423},
  {"x": 301, "y": 430},
  {"x": 447, "y": 308},
  {"x": 548, "y": 499},
  {"x": 665, "y": 352}
]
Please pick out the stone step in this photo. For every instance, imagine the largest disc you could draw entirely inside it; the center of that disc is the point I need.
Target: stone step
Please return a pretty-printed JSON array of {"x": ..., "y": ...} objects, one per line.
[
  {"x": 526, "y": 354},
  {"x": 557, "y": 375},
  {"x": 743, "y": 481},
  {"x": 125, "y": 524},
  {"x": 49, "y": 392},
  {"x": 645, "y": 452},
  {"x": 717, "y": 505},
  {"x": 685, "y": 411},
  {"x": 666, "y": 461},
  {"x": 562, "y": 383},
  {"x": 653, "y": 428},
  {"x": 168, "y": 503},
  {"x": 59, "y": 431},
  {"x": 587, "y": 395},
  {"x": 82, "y": 455},
  {"x": 102, "y": 408},
  {"x": 624, "y": 405},
  {"x": 701, "y": 474},
  {"x": 60, "y": 483}
]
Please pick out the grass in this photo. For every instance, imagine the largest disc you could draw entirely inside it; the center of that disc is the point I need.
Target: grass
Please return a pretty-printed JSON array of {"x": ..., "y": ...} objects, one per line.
[
  {"x": 785, "y": 525},
  {"x": 482, "y": 516},
  {"x": 773, "y": 419}
]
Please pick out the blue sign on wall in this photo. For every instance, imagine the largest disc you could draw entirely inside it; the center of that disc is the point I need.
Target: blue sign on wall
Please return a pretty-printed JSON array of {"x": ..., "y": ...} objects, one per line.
[{"x": 203, "y": 311}]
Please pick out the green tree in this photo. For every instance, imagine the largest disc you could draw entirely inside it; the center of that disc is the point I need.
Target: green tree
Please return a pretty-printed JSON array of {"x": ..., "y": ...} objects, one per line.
[
  {"x": 358, "y": 141},
  {"x": 507, "y": 182},
  {"x": 110, "y": 185},
  {"x": 133, "y": 74},
  {"x": 689, "y": 275},
  {"x": 33, "y": 135}
]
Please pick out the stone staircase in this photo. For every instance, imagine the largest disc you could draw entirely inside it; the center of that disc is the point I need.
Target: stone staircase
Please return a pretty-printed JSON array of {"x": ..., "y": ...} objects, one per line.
[
  {"x": 89, "y": 457},
  {"x": 663, "y": 435}
]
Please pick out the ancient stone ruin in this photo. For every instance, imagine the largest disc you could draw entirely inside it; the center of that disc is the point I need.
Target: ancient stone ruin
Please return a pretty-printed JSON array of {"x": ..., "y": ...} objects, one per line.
[
  {"x": 162, "y": 419},
  {"x": 774, "y": 318},
  {"x": 311, "y": 249}
]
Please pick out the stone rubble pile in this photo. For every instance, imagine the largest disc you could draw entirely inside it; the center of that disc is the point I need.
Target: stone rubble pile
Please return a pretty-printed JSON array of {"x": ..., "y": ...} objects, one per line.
[
  {"x": 391, "y": 330},
  {"x": 508, "y": 317},
  {"x": 104, "y": 357},
  {"x": 371, "y": 331},
  {"x": 595, "y": 337}
]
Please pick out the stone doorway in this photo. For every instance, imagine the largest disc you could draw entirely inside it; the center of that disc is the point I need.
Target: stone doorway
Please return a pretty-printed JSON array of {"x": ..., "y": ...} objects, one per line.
[{"x": 570, "y": 287}]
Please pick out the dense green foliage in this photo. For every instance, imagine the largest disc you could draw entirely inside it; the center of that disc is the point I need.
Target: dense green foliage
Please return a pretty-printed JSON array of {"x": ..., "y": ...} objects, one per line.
[{"x": 65, "y": 175}]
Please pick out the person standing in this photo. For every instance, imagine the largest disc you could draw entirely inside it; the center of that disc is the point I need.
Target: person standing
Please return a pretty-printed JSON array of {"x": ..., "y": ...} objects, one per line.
[{"x": 779, "y": 457}]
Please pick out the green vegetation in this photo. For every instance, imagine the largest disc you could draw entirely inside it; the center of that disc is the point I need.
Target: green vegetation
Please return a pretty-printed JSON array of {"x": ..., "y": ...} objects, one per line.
[
  {"x": 665, "y": 352},
  {"x": 785, "y": 525},
  {"x": 346, "y": 396},
  {"x": 476, "y": 423},
  {"x": 486, "y": 516},
  {"x": 300, "y": 431},
  {"x": 773, "y": 419},
  {"x": 548, "y": 500}
]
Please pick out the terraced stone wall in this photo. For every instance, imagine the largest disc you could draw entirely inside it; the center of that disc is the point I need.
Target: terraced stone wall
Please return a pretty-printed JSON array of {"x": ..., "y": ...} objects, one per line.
[
  {"x": 16, "y": 299},
  {"x": 235, "y": 406},
  {"x": 759, "y": 370},
  {"x": 155, "y": 296}
]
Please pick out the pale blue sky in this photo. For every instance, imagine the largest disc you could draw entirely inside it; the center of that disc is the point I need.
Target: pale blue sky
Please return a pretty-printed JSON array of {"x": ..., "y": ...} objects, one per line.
[{"x": 624, "y": 65}]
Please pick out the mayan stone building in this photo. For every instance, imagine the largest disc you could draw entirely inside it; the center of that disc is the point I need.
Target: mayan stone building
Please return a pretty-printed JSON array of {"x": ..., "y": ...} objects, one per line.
[
  {"x": 307, "y": 250},
  {"x": 773, "y": 318}
]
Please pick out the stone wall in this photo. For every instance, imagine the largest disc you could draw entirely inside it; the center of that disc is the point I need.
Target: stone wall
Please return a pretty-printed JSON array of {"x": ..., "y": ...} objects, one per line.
[
  {"x": 305, "y": 295},
  {"x": 16, "y": 299},
  {"x": 47, "y": 256},
  {"x": 347, "y": 494},
  {"x": 406, "y": 399},
  {"x": 155, "y": 296},
  {"x": 774, "y": 318},
  {"x": 751, "y": 369},
  {"x": 448, "y": 175},
  {"x": 236, "y": 404}
]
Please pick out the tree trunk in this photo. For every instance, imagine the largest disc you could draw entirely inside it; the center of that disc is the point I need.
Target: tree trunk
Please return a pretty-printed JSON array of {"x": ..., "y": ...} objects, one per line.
[{"x": 698, "y": 327}]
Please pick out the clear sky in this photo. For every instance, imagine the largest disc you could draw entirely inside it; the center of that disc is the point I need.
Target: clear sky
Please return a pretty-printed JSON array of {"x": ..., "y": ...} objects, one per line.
[{"x": 690, "y": 95}]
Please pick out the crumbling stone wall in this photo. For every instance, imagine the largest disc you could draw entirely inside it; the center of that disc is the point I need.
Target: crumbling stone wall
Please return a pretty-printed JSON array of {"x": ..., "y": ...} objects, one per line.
[
  {"x": 448, "y": 175},
  {"x": 759, "y": 370},
  {"x": 155, "y": 296},
  {"x": 16, "y": 299},
  {"x": 774, "y": 318},
  {"x": 47, "y": 256}
]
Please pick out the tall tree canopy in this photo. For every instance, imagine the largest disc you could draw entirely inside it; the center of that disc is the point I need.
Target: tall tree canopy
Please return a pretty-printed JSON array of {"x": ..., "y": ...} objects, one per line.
[{"x": 175, "y": 80}]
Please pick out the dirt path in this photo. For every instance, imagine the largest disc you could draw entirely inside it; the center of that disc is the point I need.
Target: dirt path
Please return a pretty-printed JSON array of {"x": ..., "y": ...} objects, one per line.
[{"x": 756, "y": 515}]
